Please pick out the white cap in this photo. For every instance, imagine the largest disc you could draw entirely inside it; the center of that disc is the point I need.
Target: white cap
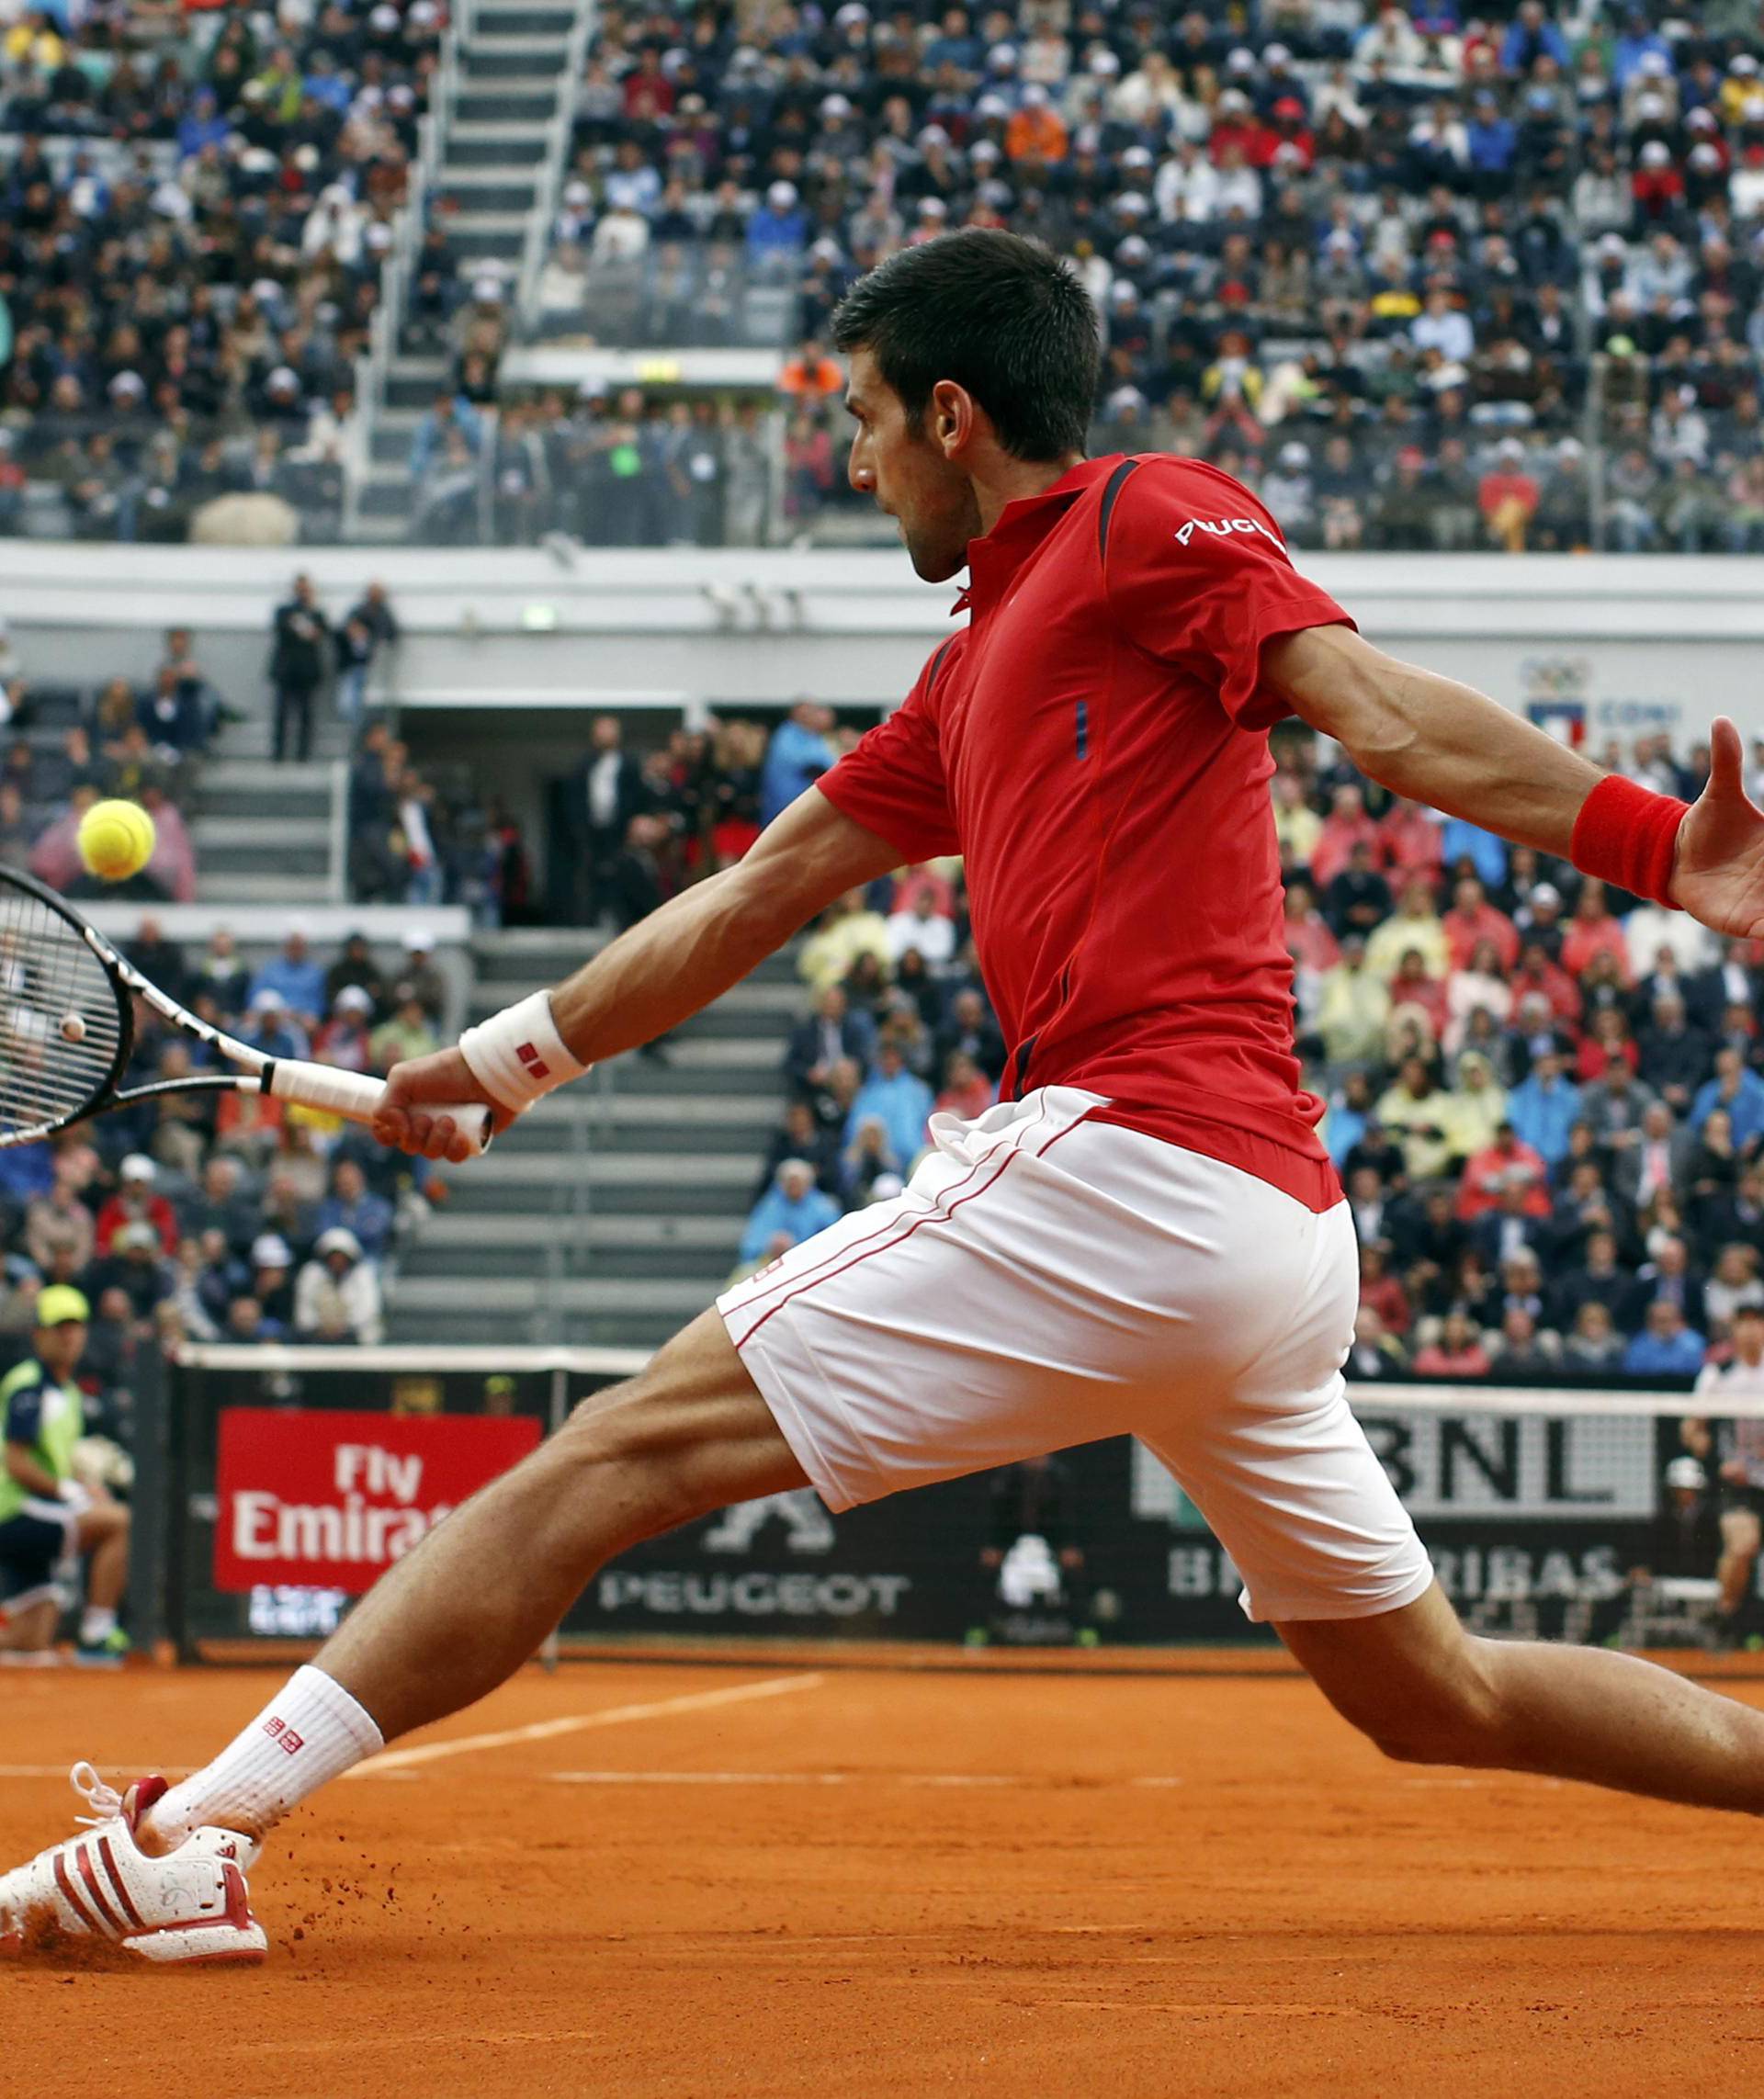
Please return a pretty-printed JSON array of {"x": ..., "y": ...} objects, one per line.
[
  {"x": 1656, "y": 153},
  {"x": 1035, "y": 96},
  {"x": 339, "y": 1239},
  {"x": 780, "y": 196},
  {"x": 138, "y": 1166},
  {"x": 270, "y": 1250},
  {"x": 352, "y": 999},
  {"x": 268, "y": 1000},
  {"x": 834, "y": 106},
  {"x": 418, "y": 940}
]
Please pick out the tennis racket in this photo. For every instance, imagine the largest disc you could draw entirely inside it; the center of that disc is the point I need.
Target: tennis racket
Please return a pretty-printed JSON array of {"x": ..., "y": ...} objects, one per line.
[{"x": 67, "y": 1029}]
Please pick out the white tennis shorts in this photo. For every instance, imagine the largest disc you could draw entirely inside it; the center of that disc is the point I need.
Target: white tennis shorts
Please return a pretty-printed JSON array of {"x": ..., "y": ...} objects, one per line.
[{"x": 1044, "y": 1280}]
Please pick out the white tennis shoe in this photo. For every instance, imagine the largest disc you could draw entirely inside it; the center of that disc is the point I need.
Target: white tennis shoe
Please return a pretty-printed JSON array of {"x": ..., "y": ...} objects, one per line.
[{"x": 191, "y": 1906}]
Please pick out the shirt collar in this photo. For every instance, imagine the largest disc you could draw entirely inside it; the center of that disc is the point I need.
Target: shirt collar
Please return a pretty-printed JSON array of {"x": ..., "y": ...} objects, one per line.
[{"x": 1022, "y": 526}]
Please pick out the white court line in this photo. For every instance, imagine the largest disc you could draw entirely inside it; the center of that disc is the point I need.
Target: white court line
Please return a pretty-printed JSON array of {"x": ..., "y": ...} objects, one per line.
[
  {"x": 392, "y": 1760},
  {"x": 788, "y": 1779}
]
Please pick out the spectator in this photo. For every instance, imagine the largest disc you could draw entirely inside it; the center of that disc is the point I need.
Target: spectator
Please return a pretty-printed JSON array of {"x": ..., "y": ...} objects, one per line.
[
  {"x": 1457, "y": 1352},
  {"x": 301, "y": 647},
  {"x": 830, "y": 1032},
  {"x": 1666, "y": 1346},
  {"x": 901, "y": 1102},
  {"x": 606, "y": 793},
  {"x": 408, "y": 1034},
  {"x": 792, "y": 1205},
  {"x": 295, "y": 978},
  {"x": 798, "y": 754},
  {"x": 137, "y": 1199},
  {"x": 353, "y": 1207},
  {"x": 336, "y": 1294}
]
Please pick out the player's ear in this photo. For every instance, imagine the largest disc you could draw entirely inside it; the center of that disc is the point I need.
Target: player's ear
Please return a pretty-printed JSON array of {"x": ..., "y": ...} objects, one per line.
[{"x": 953, "y": 417}]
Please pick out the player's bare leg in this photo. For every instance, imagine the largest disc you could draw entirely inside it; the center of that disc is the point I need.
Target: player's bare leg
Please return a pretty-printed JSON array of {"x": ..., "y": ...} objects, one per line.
[
  {"x": 1428, "y": 1692},
  {"x": 467, "y": 1608},
  {"x": 474, "y": 1600}
]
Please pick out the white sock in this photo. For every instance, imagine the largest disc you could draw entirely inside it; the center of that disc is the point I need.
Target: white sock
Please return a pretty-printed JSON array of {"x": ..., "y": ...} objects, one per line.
[
  {"x": 310, "y": 1732},
  {"x": 97, "y": 1624}
]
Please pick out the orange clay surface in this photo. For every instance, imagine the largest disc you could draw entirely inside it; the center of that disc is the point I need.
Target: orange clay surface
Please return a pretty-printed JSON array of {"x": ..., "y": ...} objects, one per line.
[{"x": 862, "y": 1883}]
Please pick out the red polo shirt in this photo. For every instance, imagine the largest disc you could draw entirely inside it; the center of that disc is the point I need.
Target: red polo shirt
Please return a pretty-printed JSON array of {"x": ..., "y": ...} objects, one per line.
[{"x": 1095, "y": 743}]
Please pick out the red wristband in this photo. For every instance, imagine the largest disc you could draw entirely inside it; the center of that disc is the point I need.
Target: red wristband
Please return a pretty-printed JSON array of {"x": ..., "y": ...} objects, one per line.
[{"x": 1626, "y": 836}]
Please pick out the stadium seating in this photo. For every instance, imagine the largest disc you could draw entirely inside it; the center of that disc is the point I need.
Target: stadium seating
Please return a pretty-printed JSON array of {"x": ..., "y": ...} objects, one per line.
[{"x": 1416, "y": 277}]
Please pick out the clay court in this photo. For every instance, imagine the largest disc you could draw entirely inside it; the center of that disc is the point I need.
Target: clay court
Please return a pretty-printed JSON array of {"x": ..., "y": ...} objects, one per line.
[{"x": 660, "y": 1881}]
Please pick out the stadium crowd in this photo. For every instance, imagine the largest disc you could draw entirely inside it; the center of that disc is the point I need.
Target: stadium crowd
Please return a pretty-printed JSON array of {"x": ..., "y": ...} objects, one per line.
[
  {"x": 195, "y": 204},
  {"x": 64, "y": 747},
  {"x": 1427, "y": 280},
  {"x": 1395, "y": 265},
  {"x": 1546, "y": 1100},
  {"x": 225, "y": 1216}
]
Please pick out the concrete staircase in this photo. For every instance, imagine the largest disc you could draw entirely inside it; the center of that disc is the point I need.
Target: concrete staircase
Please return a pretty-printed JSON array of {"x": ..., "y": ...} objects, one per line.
[
  {"x": 492, "y": 151},
  {"x": 262, "y": 832},
  {"x": 610, "y": 1214}
]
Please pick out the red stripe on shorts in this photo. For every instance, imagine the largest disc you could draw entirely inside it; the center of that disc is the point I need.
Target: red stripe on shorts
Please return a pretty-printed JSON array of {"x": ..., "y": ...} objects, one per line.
[
  {"x": 812, "y": 1274},
  {"x": 924, "y": 1218}
]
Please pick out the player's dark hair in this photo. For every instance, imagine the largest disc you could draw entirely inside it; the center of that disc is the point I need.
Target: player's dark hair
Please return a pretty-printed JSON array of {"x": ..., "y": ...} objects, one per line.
[{"x": 995, "y": 314}]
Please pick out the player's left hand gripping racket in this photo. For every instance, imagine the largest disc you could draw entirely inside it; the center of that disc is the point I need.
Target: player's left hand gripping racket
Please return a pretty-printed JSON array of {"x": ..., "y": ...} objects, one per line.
[{"x": 67, "y": 1027}]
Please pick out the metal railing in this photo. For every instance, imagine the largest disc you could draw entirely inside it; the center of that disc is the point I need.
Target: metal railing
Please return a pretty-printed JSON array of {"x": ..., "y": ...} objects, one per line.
[
  {"x": 567, "y": 1251},
  {"x": 548, "y": 190},
  {"x": 408, "y": 226}
]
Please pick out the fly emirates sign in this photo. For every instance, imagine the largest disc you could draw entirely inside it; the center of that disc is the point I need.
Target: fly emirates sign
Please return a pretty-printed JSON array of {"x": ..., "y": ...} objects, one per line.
[{"x": 323, "y": 1500}]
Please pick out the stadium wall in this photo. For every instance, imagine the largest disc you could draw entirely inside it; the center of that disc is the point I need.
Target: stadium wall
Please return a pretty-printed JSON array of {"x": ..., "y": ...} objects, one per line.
[{"x": 1622, "y": 644}]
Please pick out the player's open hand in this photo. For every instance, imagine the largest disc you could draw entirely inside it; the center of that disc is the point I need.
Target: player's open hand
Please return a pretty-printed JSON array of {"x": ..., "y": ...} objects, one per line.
[
  {"x": 404, "y": 1121},
  {"x": 1718, "y": 864}
]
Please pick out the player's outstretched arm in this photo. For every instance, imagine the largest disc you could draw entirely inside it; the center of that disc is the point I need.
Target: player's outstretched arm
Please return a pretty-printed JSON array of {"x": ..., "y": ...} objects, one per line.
[
  {"x": 667, "y": 966},
  {"x": 1446, "y": 744}
]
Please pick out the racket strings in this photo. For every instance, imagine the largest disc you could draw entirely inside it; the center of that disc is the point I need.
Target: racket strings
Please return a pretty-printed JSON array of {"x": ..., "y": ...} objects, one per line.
[{"x": 52, "y": 988}]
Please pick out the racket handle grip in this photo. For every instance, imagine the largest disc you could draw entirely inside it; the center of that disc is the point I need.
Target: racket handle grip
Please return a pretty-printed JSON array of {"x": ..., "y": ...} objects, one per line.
[{"x": 357, "y": 1098}]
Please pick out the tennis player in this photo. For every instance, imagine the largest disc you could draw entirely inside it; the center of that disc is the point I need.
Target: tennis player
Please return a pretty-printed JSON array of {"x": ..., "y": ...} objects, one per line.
[{"x": 1143, "y": 1236}]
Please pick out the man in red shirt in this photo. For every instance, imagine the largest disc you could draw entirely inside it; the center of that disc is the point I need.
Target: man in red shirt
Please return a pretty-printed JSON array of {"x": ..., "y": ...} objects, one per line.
[
  {"x": 1144, "y": 1233},
  {"x": 1473, "y": 920}
]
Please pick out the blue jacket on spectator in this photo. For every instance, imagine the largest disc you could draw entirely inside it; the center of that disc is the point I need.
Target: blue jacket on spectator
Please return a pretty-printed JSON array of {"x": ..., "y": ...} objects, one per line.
[
  {"x": 776, "y": 1211},
  {"x": 795, "y": 759},
  {"x": 428, "y": 441},
  {"x": 903, "y": 1105},
  {"x": 1649, "y": 1356},
  {"x": 299, "y": 985},
  {"x": 1746, "y": 1107},
  {"x": 370, "y": 1220},
  {"x": 1342, "y": 1129},
  {"x": 1637, "y": 43},
  {"x": 774, "y": 231},
  {"x": 27, "y": 1170},
  {"x": 1487, "y": 852},
  {"x": 1522, "y": 46},
  {"x": 1544, "y": 1116},
  {"x": 1493, "y": 142}
]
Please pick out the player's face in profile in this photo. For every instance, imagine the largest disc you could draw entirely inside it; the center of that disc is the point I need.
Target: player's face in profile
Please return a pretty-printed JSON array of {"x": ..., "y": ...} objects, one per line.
[{"x": 909, "y": 474}]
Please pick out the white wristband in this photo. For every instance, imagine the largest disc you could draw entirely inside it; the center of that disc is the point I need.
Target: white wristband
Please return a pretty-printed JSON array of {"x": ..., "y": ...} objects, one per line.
[{"x": 518, "y": 1055}]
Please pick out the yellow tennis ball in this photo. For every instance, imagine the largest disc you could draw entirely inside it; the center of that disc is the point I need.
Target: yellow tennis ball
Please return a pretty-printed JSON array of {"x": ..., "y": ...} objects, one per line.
[{"x": 116, "y": 839}]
